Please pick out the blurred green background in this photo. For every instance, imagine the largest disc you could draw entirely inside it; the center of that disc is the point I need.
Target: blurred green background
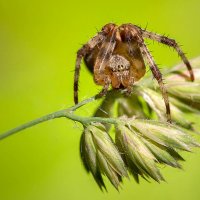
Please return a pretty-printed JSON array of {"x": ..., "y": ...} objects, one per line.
[{"x": 38, "y": 44}]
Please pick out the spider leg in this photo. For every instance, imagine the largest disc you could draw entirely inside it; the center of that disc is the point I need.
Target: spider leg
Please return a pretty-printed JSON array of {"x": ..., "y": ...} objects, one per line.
[
  {"x": 172, "y": 43},
  {"x": 104, "y": 55},
  {"x": 130, "y": 87},
  {"x": 86, "y": 48},
  {"x": 105, "y": 88},
  {"x": 157, "y": 74},
  {"x": 102, "y": 59}
]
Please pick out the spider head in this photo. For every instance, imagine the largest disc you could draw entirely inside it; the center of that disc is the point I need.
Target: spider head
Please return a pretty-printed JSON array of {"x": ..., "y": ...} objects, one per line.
[
  {"x": 108, "y": 28},
  {"x": 118, "y": 63}
]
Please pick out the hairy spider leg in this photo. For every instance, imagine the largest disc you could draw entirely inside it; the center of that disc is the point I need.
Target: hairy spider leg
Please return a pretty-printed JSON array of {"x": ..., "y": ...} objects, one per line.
[
  {"x": 86, "y": 48},
  {"x": 102, "y": 59},
  {"x": 157, "y": 74},
  {"x": 172, "y": 43},
  {"x": 135, "y": 54}
]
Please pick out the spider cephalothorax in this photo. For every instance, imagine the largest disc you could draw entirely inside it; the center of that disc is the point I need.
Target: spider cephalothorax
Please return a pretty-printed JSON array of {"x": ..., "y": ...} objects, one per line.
[{"x": 116, "y": 57}]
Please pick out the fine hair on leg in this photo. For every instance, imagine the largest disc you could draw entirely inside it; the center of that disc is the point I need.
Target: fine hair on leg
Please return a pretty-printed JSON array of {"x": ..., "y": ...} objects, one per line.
[
  {"x": 158, "y": 76},
  {"x": 102, "y": 59},
  {"x": 172, "y": 43},
  {"x": 86, "y": 48},
  {"x": 104, "y": 91}
]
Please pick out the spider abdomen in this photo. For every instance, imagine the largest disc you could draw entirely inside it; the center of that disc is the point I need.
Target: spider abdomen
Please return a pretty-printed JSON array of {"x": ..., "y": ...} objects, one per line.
[
  {"x": 123, "y": 68},
  {"x": 126, "y": 65}
]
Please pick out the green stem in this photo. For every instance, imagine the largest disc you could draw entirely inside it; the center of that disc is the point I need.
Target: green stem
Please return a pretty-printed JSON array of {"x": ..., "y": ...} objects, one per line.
[
  {"x": 32, "y": 123},
  {"x": 67, "y": 113},
  {"x": 82, "y": 103}
]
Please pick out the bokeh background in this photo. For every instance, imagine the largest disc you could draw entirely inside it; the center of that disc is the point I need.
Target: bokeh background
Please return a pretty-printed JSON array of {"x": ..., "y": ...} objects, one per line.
[{"x": 38, "y": 44}]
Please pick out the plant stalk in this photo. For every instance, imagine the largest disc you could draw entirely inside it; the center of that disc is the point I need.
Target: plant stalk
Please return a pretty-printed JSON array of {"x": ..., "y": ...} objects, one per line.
[{"x": 67, "y": 113}]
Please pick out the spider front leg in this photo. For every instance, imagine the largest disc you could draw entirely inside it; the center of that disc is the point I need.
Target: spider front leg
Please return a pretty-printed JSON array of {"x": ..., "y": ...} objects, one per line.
[
  {"x": 101, "y": 77},
  {"x": 129, "y": 88},
  {"x": 104, "y": 91},
  {"x": 157, "y": 74},
  {"x": 172, "y": 43},
  {"x": 80, "y": 54}
]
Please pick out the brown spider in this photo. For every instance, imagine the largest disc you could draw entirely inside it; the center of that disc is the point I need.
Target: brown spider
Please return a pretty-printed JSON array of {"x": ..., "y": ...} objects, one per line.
[{"x": 116, "y": 56}]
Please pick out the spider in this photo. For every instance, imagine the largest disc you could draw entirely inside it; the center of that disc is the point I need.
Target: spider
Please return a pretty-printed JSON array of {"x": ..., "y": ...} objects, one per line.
[{"x": 116, "y": 57}]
